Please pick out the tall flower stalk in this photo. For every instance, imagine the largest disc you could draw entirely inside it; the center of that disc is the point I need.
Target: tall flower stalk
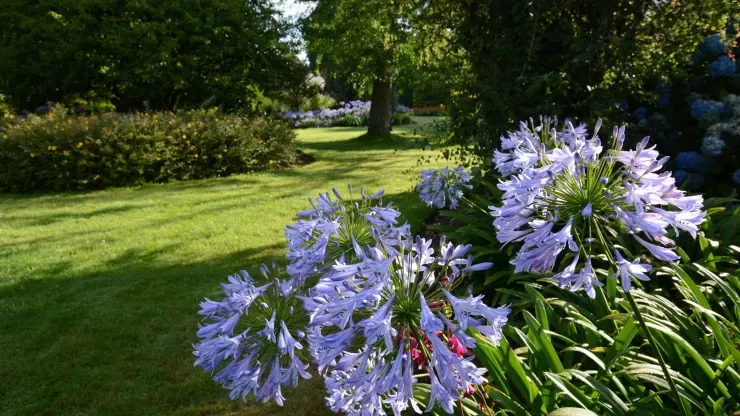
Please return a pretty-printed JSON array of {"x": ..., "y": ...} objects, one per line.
[{"x": 569, "y": 203}]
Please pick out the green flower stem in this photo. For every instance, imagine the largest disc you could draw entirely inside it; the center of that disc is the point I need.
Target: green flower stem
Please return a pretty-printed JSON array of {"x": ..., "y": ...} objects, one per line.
[{"x": 654, "y": 346}]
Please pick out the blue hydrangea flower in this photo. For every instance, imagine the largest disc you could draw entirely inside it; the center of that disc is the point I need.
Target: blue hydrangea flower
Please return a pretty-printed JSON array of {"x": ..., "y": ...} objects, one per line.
[
  {"x": 681, "y": 176},
  {"x": 442, "y": 188},
  {"x": 624, "y": 105},
  {"x": 712, "y": 146},
  {"x": 251, "y": 339},
  {"x": 387, "y": 322},
  {"x": 712, "y": 46},
  {"x": 558, "y": 201},
  {"x": 722, "y": 67},
  {"x": 702, "y": 108},
  {"x": 736, "y": 176},
  {"x": 640, "y": 113},
  {"x": 690, "y": 161}
]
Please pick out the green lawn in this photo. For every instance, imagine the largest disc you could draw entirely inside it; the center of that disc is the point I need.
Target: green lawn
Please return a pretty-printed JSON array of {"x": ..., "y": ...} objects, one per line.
[{"x": 99, "y": 290}]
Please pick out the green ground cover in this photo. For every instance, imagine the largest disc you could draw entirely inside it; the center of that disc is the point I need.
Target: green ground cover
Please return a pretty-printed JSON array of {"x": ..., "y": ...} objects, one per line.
[{"x": 99, "y": 290}]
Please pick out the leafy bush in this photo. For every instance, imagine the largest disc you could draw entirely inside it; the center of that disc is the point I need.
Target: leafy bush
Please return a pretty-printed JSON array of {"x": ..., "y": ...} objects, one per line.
[
  {"x": 321, "y": 101},
  {"x": 400, "y": 119},
  {"x": 351, "y": 120},
  {"x": 4, "y": 107},
  {"x": 60, "y": 152}
]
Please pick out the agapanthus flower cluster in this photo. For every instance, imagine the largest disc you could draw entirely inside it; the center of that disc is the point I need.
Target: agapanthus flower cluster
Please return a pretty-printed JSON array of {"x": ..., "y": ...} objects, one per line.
[
  {"x": 566, "y": 198},
  {"x": 723, "y": 66},
  {"x": 252, "y": 339},
  {"x": 327, "y": 232},
  {"x": 388, "y": 320},
  {"x": 443, "y": 187},
  {"x": 326, "y": 116},
  {"x": 371, "y": 307}
]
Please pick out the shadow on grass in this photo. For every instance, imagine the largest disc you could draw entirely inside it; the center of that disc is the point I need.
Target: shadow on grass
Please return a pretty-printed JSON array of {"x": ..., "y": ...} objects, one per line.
[
  {"x": 118, "y": 341},
  {"x": 364, "y": 143}
]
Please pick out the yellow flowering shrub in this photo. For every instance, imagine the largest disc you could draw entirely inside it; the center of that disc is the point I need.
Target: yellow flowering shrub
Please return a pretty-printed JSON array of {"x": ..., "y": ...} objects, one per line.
[{"x": 58, "y": 151}]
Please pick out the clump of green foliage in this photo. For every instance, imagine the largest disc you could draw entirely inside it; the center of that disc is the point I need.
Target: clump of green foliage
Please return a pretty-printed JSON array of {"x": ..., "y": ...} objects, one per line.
[
  {"x": 169, "y": 55},
  {"x": 58, "y": 151},
  {"x": 566, "y": 354},
  {"x": 400, "y": 119}
]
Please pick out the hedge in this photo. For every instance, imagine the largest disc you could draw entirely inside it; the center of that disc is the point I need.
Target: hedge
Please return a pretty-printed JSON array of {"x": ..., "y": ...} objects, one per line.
[{"x": 60, "y": 152}]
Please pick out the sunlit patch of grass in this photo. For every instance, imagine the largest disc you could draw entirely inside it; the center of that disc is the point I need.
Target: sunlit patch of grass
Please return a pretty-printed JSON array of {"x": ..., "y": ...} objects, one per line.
[{"x": 99, "y": 290}]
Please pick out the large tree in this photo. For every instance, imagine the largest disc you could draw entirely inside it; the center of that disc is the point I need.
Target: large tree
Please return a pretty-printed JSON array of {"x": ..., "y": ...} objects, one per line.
[
  {"x": 165, "y": 54},
  {"x": 364, "y": 41}
]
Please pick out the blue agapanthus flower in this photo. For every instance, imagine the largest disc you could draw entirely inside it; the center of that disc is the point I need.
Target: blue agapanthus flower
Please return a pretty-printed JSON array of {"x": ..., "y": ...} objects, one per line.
[
  {"x": 251, "y": 339},
  {"x": 692, "y": 161},
  {"x": 640, "y": 113},
  {"x": 387, "y": 322},
  {"x": 712, "y": 146},
  {"x": 712, "y": 46},
  {"x": 442, "y": 188},
  {"x": 736, "y": 176},
  {"x": 703, "y": 108},
  {"x": 328, "y": 231},
  {"x": 722, "y": 67},
  {"x": 563, "y": 186}
]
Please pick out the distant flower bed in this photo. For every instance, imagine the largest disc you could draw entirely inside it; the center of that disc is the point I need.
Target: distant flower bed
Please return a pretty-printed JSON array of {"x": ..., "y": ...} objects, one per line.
[
  {"x": 59, "y": 151},
  {"x": 349, "y": 114},
  {"x": 430, "y": 110}
]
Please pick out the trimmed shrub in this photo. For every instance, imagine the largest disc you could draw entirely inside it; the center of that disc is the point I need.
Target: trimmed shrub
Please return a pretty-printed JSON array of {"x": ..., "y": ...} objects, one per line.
[
  {"x": 400, "y": 119},
  {"x": 59, "y": 152}
]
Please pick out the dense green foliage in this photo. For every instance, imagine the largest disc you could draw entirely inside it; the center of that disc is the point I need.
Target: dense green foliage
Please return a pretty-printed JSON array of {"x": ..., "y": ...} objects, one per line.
[
  {"x": 570, "y": 57},
  {"x": 563, "y": 350},
  {"x": 164, "y": 55},
  {"x": 60, "y": 152}
]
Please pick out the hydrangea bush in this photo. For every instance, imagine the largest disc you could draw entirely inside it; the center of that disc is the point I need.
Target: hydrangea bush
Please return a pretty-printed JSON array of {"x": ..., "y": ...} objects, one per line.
[{"x": 711, "y": 101}]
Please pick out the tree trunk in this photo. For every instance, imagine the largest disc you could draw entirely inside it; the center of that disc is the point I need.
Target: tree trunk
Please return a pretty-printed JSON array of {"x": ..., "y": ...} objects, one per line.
[{"x": 380, "y": 109}]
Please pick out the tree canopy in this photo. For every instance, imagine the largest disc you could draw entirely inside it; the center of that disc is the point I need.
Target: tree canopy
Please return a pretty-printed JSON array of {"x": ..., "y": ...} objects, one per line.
[{"x": 165, "y": 54}]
